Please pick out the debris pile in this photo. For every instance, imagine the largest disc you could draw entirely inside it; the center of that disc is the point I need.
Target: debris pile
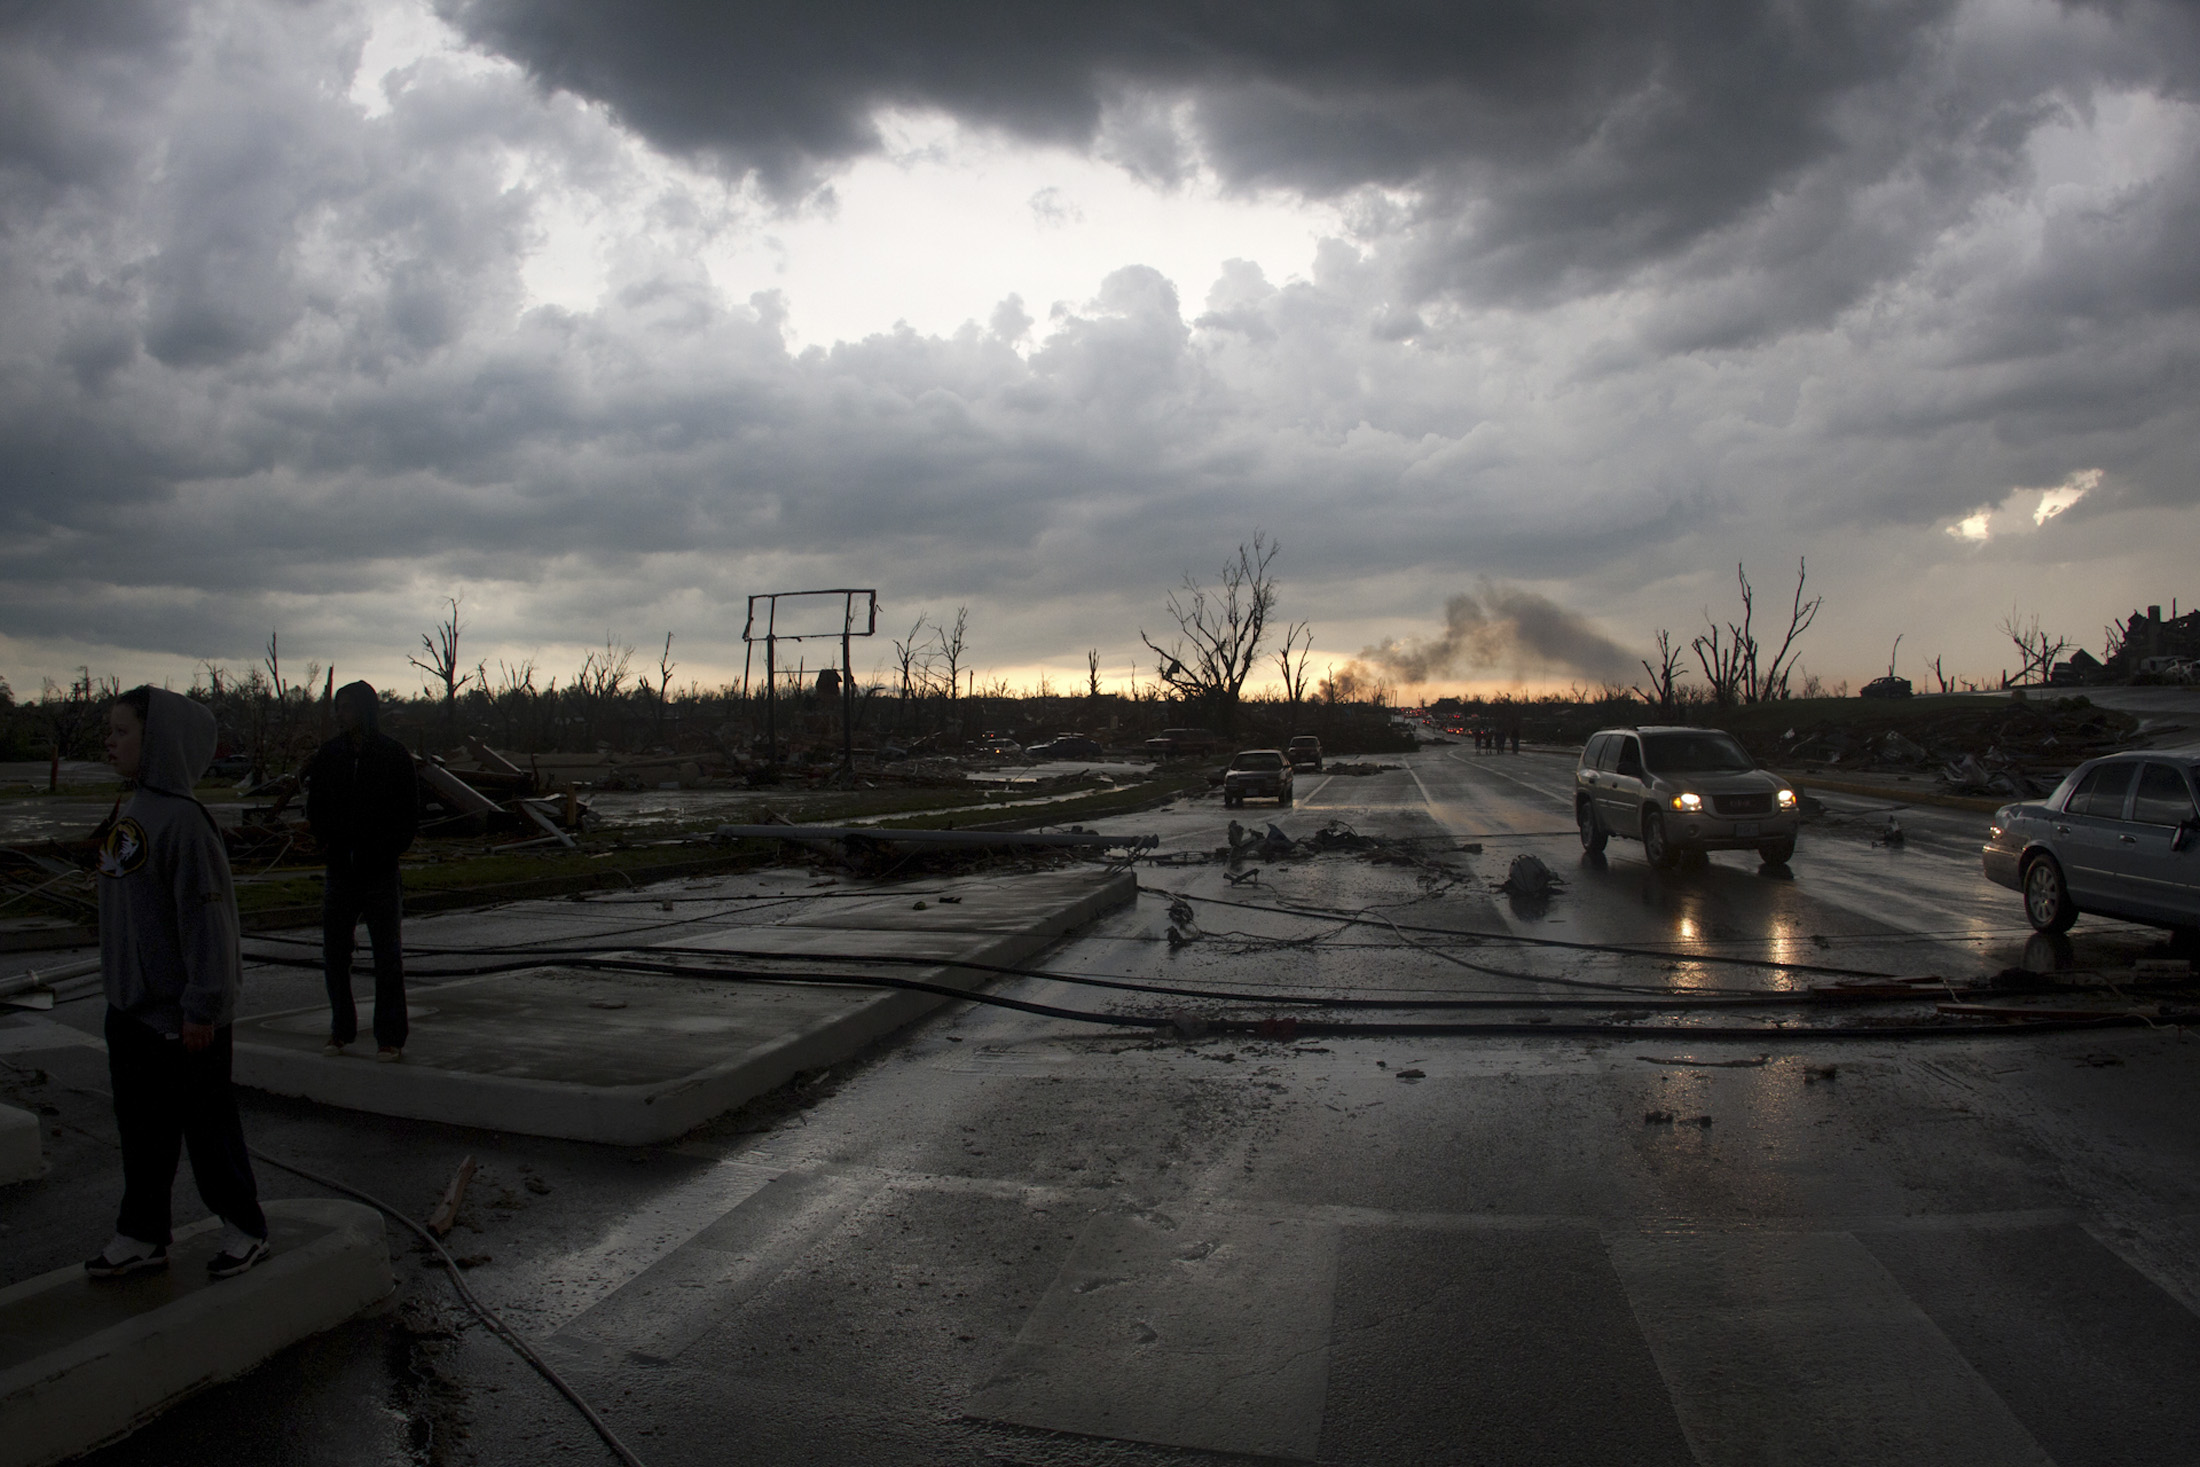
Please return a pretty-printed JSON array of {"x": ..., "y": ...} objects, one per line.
[
  {"x": 1335, "y": 836},
  {"x": 1528, "y": 877},
  {"x": 2014, "y": 747}
]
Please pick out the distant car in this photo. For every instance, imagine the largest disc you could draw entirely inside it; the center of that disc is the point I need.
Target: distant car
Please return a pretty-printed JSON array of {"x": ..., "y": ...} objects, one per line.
[
  {"x": 999, "y": 746},
  {"x": 1305, "y": 752},
  {"x": 1681, "y": 792},
  {"x": 230, "y": 766},
  {"x": 1066, "y": 746},
  {"x": 1257, "y": 774},
  {"x": 1179, "y": 743},
  {"x": 2119, "y": 837},
  {"x": 1885, "y": 687}
]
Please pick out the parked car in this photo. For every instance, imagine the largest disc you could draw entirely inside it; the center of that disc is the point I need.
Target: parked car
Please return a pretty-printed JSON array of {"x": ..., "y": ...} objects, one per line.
[
  {"x": 997, "y": 745},
  {"x": 2120, "y": 837},
  {"x": 1682, "y": 792},
  {"x": 1885, "y": 687},
  {"x": 1066, "y": 746},
  {"x": 1179, "y": 743},
  {"x": 1305, "y": 752},
  {"x": 1257, "y": 774}
]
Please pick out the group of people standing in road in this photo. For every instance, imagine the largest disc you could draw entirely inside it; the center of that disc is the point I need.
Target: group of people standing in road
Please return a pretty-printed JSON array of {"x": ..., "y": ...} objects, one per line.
[
  {"x": 173, "y": 967},
  {"x": 1489, "y": 737}
]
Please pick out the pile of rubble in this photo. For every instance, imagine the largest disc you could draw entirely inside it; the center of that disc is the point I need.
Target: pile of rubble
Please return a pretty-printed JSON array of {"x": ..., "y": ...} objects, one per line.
[
  {"x": 2015, "y": 748},
  {"x": 1336, "y": 836}
]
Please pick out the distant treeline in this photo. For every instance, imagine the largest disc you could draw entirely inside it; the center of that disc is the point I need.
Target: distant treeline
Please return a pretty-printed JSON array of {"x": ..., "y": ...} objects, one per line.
[{"x": 275, "y": 723}]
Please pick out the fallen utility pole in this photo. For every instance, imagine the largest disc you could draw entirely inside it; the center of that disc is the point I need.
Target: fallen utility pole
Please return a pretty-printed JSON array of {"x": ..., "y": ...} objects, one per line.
[{"x": 933, "y": 837}]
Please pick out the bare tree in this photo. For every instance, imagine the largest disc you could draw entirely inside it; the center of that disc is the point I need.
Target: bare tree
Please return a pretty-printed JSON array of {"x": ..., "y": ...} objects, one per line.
[
  {"x": 274, "y": 724},
  {"x": 1092, "y": 673},
  {"x": 443, "y": 664},
  {"x": 954, "y": 651},
  {"x": 1224, "y": 628},
  {"x": 601, "y": 681},
  {"x": 1800, "y": 615},
  {"x": 72, "y": 714},
  {"x": 514, "y": 696},
  {"x": 1729, "y": 658},
  {"x": 1664, "y": 674},
  {"x": 1893, "y": 652},
  {"x": 1721, "y": 661},
  {"x": 1341, "y": 687},
  {"x": 1291, "y": 661},
  {"x": 1941, "y": 677},
  {"x": 665, "y": 665},
  {"x": 914, "y": 660},
  {"x": 2038, "y": 648}
]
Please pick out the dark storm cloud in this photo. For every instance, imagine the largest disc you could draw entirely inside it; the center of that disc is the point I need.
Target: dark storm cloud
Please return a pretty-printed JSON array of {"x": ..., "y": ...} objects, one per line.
[
  {"x": 1796, "y": 154},
  {"x": 1649, "y": 281}
]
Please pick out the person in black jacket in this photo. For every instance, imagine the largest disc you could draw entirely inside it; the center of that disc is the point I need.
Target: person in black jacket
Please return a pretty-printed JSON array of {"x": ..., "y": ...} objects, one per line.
[{"x": 363, "y": 804}]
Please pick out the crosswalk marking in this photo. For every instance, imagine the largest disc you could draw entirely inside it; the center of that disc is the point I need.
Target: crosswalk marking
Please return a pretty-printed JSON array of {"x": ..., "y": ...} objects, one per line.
[
  {"x": 1206, "y": 1331},
  {"x": 1800, "y": 1348},
  {"x": 1356, "y": 1336}
]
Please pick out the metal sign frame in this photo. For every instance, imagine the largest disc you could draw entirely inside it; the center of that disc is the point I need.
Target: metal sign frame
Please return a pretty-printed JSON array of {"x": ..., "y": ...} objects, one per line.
[{"x": 771, "y": 637}]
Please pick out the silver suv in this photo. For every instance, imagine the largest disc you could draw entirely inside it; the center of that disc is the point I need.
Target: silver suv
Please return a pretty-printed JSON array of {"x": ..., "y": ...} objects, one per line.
[{"x": 1681, "y": 792}]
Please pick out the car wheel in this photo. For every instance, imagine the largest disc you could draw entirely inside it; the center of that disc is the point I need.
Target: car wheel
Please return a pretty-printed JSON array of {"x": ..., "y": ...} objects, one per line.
[
  {"x": 1593, "y": 833},
  {"x": 1284, "y": 798},
  {"x": 1655, "y": 847},
  {"x": 1777, "y": 853},
  {"x": 2047, "y": 903}
]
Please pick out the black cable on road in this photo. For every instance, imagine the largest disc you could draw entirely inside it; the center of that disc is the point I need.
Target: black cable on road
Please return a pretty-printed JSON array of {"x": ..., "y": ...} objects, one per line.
[
  {"x": 1643, "y": 995},
  {"x": 483, "y": 1312},
  {"x": 1264, "y": 1027},
  {"x": 1330, "y": 915}
]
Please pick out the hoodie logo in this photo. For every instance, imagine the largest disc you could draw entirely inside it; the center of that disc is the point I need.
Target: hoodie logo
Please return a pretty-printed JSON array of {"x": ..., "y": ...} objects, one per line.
[{"x": 124, "y": 850}]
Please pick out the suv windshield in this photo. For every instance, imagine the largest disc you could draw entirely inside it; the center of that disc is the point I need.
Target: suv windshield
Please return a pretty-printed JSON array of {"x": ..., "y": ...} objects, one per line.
[
  {"x": 1267, "y": 759},
  {"x": 1695, "y": 753}
]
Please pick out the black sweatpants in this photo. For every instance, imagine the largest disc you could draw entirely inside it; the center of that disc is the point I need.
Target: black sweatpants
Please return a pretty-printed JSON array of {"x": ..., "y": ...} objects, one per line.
[
  {"x": 167, "y": 1098},
  {"x": 376, "y": 896}
]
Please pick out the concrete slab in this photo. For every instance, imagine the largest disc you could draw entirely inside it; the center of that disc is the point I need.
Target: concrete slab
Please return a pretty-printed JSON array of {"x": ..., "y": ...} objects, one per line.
[
  {"x": 21, "y": 1155},
  {"x": 83, "y": 1362},
  {"x": 629, "y": 1059},
  {"x": 1048, "y": 903}
]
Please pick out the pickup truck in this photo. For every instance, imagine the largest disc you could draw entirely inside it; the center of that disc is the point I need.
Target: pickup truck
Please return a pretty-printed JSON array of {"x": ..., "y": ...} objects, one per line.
[{"x": 1178, "y": 743}]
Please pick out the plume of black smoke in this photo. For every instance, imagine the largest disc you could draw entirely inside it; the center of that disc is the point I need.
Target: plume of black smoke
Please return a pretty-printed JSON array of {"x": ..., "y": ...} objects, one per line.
[{"x": 1504, "y": 627}]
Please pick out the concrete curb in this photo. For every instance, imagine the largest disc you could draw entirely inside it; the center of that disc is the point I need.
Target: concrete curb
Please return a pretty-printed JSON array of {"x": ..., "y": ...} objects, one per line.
[
  {"x": 658, "y": 1110},
  {"x": 21, "y": 1154},
  {"x": 74, "y": 1375}
]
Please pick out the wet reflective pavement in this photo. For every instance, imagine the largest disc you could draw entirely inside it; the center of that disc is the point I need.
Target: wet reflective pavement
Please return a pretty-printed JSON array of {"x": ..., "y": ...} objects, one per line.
[{"x": 1010, "y": 1238}]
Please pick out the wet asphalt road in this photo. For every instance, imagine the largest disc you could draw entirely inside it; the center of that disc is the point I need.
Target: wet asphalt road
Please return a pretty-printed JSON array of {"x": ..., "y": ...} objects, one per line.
[{"x": 1004, "y": 1238}]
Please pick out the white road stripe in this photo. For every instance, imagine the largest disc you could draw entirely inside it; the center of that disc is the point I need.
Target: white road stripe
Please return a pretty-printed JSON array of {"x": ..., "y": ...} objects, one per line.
[{"x": 1565, "y": 798}]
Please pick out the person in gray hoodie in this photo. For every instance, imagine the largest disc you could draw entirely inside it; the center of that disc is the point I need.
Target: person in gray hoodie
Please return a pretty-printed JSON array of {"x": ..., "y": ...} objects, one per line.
[{"x": 168, "y": 948}]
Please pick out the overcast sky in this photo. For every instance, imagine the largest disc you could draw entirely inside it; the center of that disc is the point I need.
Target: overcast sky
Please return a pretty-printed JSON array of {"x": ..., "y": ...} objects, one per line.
[{"x": 1536, "y": 313}]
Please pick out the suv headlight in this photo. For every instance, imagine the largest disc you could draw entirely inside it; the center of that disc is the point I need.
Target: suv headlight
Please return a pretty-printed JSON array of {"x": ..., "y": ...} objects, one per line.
[
  {"x": 1690, "y": 803},
  {"x": 1786, "y": 799}
]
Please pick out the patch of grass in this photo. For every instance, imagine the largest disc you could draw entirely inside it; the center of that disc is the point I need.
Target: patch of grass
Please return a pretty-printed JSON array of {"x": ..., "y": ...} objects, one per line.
[
  {"x": 454, "y": 873},
  {"x": 1096, "y": 806}
]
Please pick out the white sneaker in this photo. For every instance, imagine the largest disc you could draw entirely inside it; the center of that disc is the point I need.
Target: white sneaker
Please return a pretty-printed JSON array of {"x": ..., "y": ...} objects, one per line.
[
  {"x": 239, "y": 1251},
  {"x": 126, "y": 1255}
]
